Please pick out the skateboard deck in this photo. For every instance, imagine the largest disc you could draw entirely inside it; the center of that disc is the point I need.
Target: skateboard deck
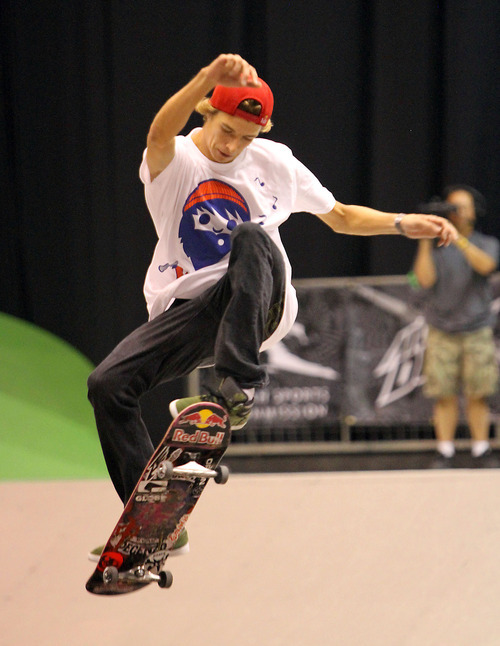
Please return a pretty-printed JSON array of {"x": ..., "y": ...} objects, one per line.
[{"x": 160, "y": 505}]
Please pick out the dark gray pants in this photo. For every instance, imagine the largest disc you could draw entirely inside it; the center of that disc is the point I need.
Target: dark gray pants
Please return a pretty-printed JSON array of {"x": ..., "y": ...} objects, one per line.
[{"x": 229, "y": 321}]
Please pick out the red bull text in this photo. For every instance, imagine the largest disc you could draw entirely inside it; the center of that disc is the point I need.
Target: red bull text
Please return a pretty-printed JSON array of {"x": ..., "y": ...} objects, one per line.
[{"x": 199, "y": 437}]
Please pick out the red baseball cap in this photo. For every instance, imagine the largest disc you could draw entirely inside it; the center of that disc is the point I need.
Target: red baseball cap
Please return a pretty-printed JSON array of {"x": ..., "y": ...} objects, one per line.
[{"x": 228, "y": 99}]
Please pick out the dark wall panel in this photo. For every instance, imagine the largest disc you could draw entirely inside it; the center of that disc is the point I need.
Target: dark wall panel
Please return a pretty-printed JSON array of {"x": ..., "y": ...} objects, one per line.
[{"x": 384, "y": 101}]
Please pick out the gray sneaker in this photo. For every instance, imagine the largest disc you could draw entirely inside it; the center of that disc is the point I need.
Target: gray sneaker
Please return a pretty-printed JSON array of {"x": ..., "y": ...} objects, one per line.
[
  {"x": 181, "y": 546},
  {"x": 229, "y": 395}
]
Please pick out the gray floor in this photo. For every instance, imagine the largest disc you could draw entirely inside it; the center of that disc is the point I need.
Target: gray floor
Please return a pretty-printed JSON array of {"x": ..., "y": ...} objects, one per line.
[{"x": 393, "y": 558}]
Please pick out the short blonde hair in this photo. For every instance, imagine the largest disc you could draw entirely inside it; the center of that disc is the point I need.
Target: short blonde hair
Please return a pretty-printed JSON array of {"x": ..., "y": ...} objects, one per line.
[{"x": 206, "y": 109}]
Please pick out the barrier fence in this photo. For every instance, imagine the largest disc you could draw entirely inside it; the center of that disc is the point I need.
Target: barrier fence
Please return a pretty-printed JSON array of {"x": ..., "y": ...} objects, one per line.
[{"x": 350, "y": 371}]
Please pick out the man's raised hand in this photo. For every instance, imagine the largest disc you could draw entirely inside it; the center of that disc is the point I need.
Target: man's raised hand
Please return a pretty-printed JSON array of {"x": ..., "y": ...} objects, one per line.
[{"x": 232, "y": 70}]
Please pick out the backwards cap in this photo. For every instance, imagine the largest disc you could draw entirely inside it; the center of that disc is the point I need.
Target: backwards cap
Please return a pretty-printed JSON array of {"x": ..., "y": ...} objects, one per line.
[{"x": 228, "y": 99}]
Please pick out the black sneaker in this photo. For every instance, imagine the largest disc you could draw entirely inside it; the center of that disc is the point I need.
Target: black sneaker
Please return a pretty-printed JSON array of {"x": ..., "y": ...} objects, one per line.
[
  {"x": 229, "y": 395},
  {"x": 487, "y": 460},
  {"x": 440, "y": 461}
]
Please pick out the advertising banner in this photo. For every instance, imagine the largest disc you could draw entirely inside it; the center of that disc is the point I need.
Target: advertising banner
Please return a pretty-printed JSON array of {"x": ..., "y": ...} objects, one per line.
[{"x": 354, "y": 356}]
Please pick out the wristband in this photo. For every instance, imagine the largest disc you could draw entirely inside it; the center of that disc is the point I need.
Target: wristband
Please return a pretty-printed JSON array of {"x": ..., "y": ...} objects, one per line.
[
  {"x": 462, "y": 243},
  {"x": 397, "y": 223}
]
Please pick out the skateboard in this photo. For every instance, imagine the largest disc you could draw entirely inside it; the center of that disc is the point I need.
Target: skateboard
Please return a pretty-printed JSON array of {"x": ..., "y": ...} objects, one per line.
[{"x": 160, "y": 505}]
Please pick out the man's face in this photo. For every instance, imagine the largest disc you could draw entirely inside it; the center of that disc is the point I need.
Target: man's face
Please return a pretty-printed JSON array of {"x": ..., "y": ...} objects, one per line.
[
  {"x": 465, "y": 216},
  {"x": 223, "y": 137}
]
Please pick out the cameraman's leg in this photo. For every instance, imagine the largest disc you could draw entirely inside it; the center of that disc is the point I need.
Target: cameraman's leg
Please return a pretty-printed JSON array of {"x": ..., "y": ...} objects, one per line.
[
  {"x": 480, "y": 381},
  {"x": 442, "y": 368}
]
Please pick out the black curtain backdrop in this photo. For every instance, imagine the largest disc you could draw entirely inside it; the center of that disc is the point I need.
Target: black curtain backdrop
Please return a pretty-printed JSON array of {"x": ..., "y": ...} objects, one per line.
[{"x": 386, "y": 101}]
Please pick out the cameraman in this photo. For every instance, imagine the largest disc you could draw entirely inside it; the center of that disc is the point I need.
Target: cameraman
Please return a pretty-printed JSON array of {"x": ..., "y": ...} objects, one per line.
[{"x": 460, "y": 352}]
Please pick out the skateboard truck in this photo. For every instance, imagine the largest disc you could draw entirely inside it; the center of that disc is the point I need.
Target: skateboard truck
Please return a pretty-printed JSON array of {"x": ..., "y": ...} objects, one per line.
[
  {"x": 138, "y": 574},
  {"x": 166, "y": 471}
]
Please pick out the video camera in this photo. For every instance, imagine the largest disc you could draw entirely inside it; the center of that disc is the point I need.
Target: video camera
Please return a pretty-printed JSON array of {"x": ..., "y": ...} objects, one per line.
[{"x": 437, "y": 207}]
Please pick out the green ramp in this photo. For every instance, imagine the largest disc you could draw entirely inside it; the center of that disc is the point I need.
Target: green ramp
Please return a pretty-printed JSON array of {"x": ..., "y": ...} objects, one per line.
[{"x": 47, "y": 428}]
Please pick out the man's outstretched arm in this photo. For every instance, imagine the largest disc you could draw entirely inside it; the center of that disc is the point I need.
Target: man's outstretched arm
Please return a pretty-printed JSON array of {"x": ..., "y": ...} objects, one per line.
[{"x": 362, "y": 220}]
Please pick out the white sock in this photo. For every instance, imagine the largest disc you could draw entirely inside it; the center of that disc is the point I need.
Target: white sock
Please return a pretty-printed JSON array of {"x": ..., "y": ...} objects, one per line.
[
  {"x": 249, "y": 392},
  {"x": 479, "y": 447},
  {"x": 446, "y": 448}
]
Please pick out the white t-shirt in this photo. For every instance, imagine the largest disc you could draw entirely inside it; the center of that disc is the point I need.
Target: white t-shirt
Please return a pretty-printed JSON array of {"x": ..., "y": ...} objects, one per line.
[{"x": 195, "y": 203}]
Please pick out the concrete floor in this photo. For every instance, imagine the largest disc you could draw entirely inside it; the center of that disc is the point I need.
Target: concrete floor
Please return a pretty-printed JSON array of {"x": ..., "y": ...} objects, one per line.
[{"x": 399, "y": 558}]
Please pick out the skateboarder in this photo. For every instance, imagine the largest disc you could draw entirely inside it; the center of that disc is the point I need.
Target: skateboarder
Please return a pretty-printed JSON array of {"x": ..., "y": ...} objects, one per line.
[{"x": 219, "y": 284}]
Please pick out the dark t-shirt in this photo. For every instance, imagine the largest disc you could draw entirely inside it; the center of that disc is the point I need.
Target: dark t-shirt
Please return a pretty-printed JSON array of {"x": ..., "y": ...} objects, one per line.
[{"x": 460, "y": 300}]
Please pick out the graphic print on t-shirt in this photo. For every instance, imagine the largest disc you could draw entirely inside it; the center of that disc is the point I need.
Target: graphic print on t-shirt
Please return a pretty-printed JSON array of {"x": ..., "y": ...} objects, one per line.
[{"x": 209, "y": 215}]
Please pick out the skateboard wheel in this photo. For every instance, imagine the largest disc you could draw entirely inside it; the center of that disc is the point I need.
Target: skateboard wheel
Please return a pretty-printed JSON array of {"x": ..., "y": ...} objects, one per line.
[
  {"x": 165, "y": 470},
  {"x": 222, "y": 474},
  {"x": 110, "y": 575},
  {"x": 166, "y": 579}
]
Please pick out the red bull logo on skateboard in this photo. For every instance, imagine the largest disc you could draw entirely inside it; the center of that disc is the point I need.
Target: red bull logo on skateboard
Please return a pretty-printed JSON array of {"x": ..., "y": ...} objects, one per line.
[{"x": 203, "y": 420}]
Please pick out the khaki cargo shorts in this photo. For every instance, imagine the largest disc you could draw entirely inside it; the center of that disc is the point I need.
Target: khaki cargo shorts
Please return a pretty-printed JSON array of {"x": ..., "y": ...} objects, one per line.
[{"x": 460, "y": 361}]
